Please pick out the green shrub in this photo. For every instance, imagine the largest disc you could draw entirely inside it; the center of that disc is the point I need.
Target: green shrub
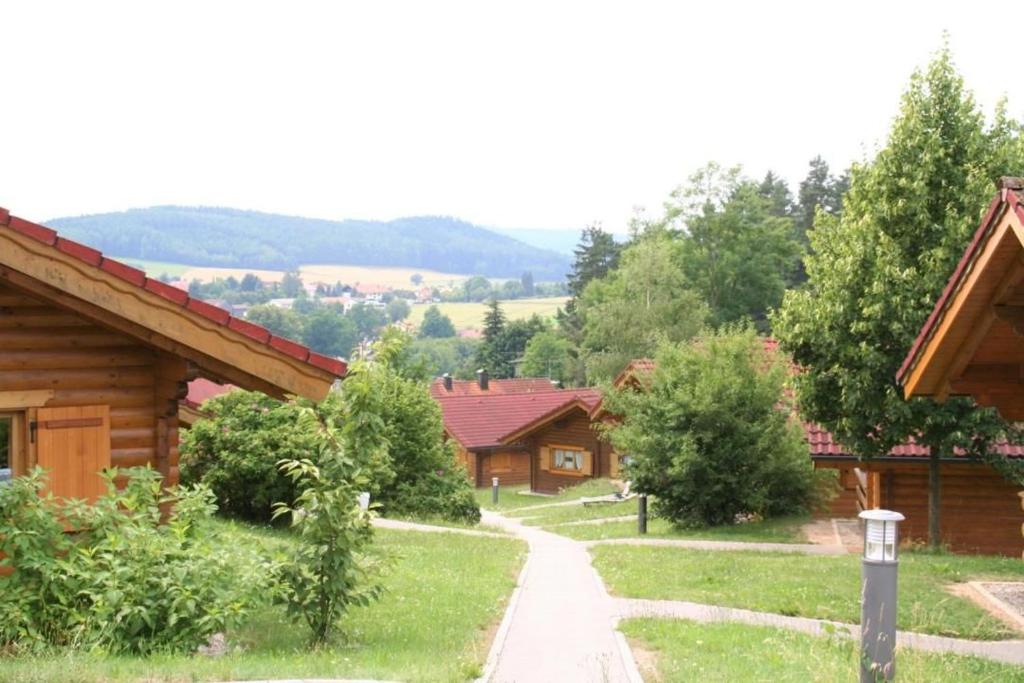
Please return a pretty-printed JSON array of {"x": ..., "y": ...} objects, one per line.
[
  {"x": 326, "y": 574},
  {"x": 235, "y": 452},
  {"x": 712, "y": 438},
  {"x": 121, "y": 581}
]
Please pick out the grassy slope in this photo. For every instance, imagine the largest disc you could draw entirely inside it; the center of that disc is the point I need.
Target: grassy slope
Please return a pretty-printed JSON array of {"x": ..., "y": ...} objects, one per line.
[
  {"x": 781, "y": 530},
  {"x": 510, "y": 500},
  {"x": 686, "y": 651},
  {"x": 821, "y": 587},
  {"x": 466, "y": 315},
  {"x": 444, "y": 593}
]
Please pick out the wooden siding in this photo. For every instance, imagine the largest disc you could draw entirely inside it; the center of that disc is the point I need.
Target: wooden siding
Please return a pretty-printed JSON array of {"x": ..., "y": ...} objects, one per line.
[
  {"x": 43, "y": 347},
  {"x": 572, "y": 430},
  {"x": 981, "y": 511},
  {"x": 512, "y": 467},
  {"x": 845, "y": 502}
]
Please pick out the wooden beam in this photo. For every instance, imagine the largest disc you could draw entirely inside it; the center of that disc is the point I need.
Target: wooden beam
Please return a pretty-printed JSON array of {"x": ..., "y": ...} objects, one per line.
[
  {"x": 19, "y": 400},
  {"x": 1014, "y": 315}
]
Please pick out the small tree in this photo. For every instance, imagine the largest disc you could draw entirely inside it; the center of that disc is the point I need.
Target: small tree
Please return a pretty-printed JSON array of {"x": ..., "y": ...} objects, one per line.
[
  {"x": 327, "y": 574},
  {"x": 547, "y": 355},
  {"x": 711, "y": 438},
  {"x": 398, "y": 310}
]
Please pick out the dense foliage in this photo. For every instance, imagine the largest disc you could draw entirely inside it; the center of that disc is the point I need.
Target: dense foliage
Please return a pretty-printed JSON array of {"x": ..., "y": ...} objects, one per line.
[
  {"x": 453, "y": 355},
  {"x": 207, "y": 236},
  {"x": 123, "y": 582},
  {"x": 386, "y": 422},
  {"x": 436, "y": 325},
  {"x": 504, "y": 342},
  {"x": 711, "y": 437},
  {"x": 876, "y": 272}
]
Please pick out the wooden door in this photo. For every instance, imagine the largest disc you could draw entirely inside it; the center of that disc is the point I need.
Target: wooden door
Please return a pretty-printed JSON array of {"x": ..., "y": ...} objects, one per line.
[{"x": 73, "y": 445}]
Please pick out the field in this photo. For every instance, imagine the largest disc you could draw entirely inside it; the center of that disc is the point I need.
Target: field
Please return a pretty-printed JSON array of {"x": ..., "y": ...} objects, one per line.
[
  {"x": 465, "y": 315},
  {"x": 397, "y": 278}
]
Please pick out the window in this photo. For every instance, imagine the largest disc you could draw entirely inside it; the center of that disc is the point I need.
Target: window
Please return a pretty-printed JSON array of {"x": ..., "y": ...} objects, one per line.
[
  {"x": 568, "y": 460},
  {"x": 6, "y": 447}
]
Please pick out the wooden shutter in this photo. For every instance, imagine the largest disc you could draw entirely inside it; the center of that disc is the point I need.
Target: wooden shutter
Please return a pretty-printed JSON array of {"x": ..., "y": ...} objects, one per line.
[
  {"x": 545, "y": 458},
  {"x": 613, "y": 465},
  {"x": 73, "y": 445},
  {"x": 588, "y": 464}
]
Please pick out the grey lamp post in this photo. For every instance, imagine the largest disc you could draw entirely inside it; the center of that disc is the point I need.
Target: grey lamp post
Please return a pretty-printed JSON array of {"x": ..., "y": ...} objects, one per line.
[
  {"x": 878, "y": 597},
  {"x": 494, "y": 490}
]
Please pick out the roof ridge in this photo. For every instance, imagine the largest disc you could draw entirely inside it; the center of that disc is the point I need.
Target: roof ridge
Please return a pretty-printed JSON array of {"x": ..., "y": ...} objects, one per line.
[{"x": 138, "y": 278}]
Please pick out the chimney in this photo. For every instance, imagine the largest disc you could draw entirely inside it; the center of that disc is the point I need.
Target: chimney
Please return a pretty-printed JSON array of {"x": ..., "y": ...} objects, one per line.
[
  {"x": 482, "y": 379},
  {"x": 447, "y": 381}
]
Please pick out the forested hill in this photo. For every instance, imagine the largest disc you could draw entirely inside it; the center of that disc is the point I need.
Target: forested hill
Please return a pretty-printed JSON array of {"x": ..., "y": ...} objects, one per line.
[{"x": 206, "y": 236}]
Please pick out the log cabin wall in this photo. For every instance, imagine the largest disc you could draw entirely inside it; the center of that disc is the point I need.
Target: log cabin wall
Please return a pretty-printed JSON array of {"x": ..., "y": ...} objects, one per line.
[
  {"x": 573, "y": 430},
  {"x": 510, "y": 466},
  {"x": 44, "y": 347},
  {"x": 981, "y": 511},
  {"x": 845, "y": 502}
]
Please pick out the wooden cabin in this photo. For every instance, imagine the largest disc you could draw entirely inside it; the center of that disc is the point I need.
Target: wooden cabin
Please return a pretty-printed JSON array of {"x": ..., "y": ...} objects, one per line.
[
  {"x": 95, "y": 358},
  {"x": 973, "y": 345},
  {"x": 541, "y": 438}
]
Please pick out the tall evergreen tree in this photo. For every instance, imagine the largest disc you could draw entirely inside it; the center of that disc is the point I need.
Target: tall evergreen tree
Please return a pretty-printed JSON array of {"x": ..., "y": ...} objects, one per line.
[
  {"x": 819, "y": 190},
  {"x": 596, "y": 254},
  {"x": 775, "y": 190},
  {"x": 876, "y": 271}
]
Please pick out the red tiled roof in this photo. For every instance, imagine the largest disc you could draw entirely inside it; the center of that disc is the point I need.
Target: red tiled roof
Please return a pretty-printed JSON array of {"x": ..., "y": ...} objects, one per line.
[
  {"x": 137, "y": 278},
  {"x": 822, "y": 444},
  {"x": 1013, "y": 202},
  {"x": 202, "y": 389},
  {"x": 483, "y": 421},
  {"x": 470, "y": 387}
]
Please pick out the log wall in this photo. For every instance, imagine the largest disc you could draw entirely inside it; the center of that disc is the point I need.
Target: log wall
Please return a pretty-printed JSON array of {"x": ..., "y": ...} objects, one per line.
[
  {"x": 43, "y": 347},
  {"x": 511, "y": 467},
  {"x": 573, "y": 430}
]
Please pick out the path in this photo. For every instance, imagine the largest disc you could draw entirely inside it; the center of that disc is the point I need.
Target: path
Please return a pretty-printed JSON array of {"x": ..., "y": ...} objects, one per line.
[{"x": 560, "y": 625}]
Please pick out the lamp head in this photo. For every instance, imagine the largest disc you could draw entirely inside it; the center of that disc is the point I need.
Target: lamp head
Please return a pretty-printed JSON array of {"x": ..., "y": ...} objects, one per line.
[{"x": 881, "y": 535}]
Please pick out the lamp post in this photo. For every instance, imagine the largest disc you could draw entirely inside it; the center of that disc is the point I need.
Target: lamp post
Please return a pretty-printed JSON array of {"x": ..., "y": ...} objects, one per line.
[
  {"x": 641, "y": 513},
  {"x": 878, "y": 597},
  {"x": 364, "y": 501},
  {"x": 494, "y": 490}
]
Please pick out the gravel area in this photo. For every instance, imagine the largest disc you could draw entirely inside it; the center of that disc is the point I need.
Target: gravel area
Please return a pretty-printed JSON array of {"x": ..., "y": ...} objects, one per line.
[{"x": 1012, "y": 594}]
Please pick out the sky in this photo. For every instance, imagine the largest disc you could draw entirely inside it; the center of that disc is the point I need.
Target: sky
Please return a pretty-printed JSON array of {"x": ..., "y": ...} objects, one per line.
[{"x": 517, "y": 114}]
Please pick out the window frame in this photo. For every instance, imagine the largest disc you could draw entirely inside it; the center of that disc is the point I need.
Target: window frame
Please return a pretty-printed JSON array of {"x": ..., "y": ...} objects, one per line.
[
  {"x": 17, "y": 453},
  {"x": 579, "y": 455}
]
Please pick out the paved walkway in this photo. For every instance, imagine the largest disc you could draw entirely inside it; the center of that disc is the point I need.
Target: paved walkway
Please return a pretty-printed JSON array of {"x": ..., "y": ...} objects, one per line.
[
  {"x": 1010, "y": 651},
  {"x": 560, "y": 626}
]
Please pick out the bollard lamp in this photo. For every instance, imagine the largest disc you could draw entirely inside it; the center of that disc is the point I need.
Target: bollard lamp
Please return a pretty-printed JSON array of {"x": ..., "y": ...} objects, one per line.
[
  {"x": 881, "y": 535},
  {"x": 364, "y": 501}
]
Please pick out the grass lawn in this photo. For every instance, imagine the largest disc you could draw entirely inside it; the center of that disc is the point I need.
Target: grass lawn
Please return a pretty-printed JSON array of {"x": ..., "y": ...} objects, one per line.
[
  {"x": 465, "y": 315},
  {"x": 445, "y": 595},
  {"x": 687, "y": 651},
  {"x": 511, "y": 500},
  {"x": 781, "y": 530},
  {"x": 577, "y": 513},
  {"x": 824, "y": 587}
]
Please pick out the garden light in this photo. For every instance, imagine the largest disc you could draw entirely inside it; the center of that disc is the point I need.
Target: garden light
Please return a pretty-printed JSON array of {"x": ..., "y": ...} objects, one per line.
[{"x": 879, "y": 567}]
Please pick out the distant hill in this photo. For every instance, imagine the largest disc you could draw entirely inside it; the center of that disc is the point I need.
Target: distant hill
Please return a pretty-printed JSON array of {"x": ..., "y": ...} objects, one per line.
[
  {"x": 232, "y": 238},
  {"x": 562, "y": 241}
]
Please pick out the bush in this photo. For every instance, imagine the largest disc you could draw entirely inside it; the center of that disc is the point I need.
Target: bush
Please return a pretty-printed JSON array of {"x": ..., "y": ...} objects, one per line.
[
  {"x": 235, "y": 452},
  {"x": 122, "y": 582},
  {"x": 713, "y": 436}
]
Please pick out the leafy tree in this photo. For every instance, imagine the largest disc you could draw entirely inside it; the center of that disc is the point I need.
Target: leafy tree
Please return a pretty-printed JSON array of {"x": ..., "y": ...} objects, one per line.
[
  {"x": 708, "y": 438},
  {"x": 367, "y": 319},
  {"x": 250, "y": 283},
  {"x": 331, "y": 333},
  {"x": 736, "y": 252},
  {"x": 436, "y": 324},
  {"x": 642, "y": 302},
  {"x": 547, "y": 355},
  {"x": 280, "y": 321},
  {"x": 476, "y": 288},
  {"x": 452, "y": 355},
  {"x": 398, "y": 310},
  {"x": 416, "y": 279},
  {"x": 876, "y": 271},
  {"x": 526, "y": 280},
  {"x": 291, "y": 284}
]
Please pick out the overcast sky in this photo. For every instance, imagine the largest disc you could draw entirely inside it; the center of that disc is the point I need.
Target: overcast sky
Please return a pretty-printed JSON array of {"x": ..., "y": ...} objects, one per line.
[{"x": 519, "y": 114}]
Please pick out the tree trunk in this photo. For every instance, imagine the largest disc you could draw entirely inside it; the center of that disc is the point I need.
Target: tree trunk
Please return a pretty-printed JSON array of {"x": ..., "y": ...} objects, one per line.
[{"x": 934, "y": 500}]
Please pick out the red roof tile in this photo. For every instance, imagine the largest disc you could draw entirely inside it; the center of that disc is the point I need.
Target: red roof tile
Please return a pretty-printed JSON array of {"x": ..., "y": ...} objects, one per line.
[
  {"x": 483, "y": 421},
  {"x": 470, "y": 387},
  {"x": 202, "y": 389},
  {"x": 138, "y": 278}
]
